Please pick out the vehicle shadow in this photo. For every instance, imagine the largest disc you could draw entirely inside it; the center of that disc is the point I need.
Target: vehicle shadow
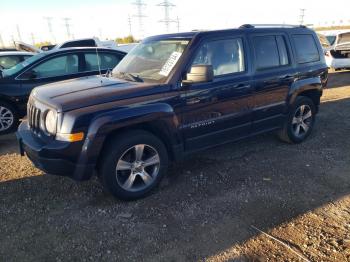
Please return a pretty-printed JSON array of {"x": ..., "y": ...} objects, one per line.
[
  {"x": 205, "y": 205},
  {"x": 8, "y": 144},
  {"x": 339, "y": 79}
]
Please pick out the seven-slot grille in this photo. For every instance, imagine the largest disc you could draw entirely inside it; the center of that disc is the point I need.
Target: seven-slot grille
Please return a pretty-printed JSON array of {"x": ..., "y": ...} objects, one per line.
[{"x": 34, "y": 116}]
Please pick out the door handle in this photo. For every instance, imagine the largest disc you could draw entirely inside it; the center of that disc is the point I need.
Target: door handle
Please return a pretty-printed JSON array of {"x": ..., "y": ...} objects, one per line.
[
  {"x": 192, "y": 101},
  {"x": 242, "y": 86},
  {"x": 287, "y": 77}
]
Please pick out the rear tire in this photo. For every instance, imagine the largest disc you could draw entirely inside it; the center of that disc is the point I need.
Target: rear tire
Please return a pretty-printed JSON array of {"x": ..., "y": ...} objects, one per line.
[
  {"x": 133, "y": 164},
  {"x": 300, "y": 121},
  {"x": 9, "y": 118}
]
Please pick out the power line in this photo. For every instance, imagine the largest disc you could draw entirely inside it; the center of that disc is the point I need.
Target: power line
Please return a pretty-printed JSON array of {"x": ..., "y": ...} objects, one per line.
[
  {"x": 140, "y": 5},
  {"x": 166, "y": 20},
  {"x": 301, "y": 16}
]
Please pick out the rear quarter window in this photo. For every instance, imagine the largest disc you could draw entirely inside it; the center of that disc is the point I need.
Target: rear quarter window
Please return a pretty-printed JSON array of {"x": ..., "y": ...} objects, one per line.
[{"x": 306, "y": 49}]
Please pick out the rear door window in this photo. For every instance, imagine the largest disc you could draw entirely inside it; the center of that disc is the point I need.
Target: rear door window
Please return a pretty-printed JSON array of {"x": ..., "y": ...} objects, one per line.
[
  {"x": 106, "y": 61},
  {"x": 306, "y": 49},
  {"x": 266, "y": 52}
]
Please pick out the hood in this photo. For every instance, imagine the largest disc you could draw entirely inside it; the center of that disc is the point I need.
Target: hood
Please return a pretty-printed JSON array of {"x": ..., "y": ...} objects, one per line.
[{"x": 88, "y": 91}]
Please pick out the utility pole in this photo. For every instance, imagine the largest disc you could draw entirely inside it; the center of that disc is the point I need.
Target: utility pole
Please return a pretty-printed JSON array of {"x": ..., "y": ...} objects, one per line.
[
  {"x": 140, "y": 5},
  {"x": 178, "y": 24},
  {"x": 129, "y": 23},
  {"x": 166, "y": 20},
  {"x": 1, "y": 41},
  {"x": 301, "y": 16},
  {"x": 49, "y": 25},
  {"x": 18, "y": 33},
  {"x": 67, "y": 25}
]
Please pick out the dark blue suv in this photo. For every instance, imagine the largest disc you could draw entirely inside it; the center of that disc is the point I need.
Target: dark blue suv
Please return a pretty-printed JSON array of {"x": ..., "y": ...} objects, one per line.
[{"x": 173, "y": 95}]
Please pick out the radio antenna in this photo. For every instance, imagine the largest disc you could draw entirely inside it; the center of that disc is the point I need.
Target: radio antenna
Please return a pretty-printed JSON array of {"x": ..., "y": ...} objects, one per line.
[{"x": 99, "y": 66}]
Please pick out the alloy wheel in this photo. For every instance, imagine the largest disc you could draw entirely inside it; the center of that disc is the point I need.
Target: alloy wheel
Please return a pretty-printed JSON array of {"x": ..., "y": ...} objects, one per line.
[
  {"x": 6, "y": 118},
  {"x": 138, "y": 168},
  {"x": 302, "y": 120}
]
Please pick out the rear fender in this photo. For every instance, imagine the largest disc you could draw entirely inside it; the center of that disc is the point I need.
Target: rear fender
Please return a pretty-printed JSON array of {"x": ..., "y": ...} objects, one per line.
[{"x": 303, "y": 85}]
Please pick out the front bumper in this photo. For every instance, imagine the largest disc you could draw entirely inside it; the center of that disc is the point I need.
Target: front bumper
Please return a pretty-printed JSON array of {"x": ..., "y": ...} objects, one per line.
[{"x": 53, "y": 157}]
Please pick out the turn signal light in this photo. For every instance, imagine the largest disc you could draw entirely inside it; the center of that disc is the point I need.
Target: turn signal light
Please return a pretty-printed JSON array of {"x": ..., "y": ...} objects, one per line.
[{"x": 70, "y": 137}]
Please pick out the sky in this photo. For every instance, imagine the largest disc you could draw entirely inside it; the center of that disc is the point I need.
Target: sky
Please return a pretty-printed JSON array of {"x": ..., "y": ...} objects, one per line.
[{"x": 108, "y": 19}]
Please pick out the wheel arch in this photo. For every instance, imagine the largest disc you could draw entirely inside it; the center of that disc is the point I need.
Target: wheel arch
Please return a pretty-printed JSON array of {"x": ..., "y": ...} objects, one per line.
[{"x": 311, "y": 88}]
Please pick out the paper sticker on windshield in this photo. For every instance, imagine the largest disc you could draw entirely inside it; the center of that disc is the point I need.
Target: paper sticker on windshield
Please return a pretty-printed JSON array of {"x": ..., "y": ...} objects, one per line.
[{"x": 170, "y": 63}]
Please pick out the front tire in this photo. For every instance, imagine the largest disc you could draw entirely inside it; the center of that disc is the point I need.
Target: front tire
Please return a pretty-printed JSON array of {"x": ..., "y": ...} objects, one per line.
[
  {"x": 300, "y": 121},
  {"x": 9, "y": 119},
  {"x": 133, "y": 164}
]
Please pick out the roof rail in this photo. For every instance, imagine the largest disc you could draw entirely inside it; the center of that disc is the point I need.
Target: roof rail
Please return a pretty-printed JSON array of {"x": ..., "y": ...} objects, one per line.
[{"x": 270, "y": 25}]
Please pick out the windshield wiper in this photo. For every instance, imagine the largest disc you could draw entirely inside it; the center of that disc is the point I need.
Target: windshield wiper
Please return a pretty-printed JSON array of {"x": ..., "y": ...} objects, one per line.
[{"x": 130, "y": 76}]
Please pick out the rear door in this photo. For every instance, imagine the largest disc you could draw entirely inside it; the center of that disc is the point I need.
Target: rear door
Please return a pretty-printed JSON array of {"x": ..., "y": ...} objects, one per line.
[
  {"x": 219, "y": 111},
  {"x": 274, "y": 74}
]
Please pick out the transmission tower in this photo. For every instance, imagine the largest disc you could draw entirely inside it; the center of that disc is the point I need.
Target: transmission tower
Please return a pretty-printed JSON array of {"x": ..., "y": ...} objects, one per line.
[
  {"x": 33, "y": 38},
  {"x": 129, "y": 23},
  {"x": 140, "y": 5},
  {"x": 49, "y": 25},
  {"x": 167, "y": 20},
  {"x": 19, "y": 33},
  {"x": 67, "y": 25},
  {"x": 301, "y": 16}
]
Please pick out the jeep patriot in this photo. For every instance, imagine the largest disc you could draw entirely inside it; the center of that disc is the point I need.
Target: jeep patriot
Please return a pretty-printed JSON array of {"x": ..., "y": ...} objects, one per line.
[{"x": 173, "y": 95}]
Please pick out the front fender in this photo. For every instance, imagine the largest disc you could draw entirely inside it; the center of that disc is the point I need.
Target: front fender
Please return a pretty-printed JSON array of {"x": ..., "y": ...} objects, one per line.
[
  {"x": 303, "y": 85},
  {"x": 106, "y": 123}
]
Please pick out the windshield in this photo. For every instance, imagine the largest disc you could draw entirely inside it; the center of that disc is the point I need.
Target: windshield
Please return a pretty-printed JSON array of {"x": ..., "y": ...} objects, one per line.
[
  {"x": 331, "y": 39},
  {"x": 151, "y": 61},
  {"x": 14, "y": 70}
]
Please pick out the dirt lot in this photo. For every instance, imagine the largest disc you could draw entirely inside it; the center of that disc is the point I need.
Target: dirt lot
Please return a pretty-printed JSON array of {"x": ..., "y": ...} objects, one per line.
[{"x": 208, "y": 208}]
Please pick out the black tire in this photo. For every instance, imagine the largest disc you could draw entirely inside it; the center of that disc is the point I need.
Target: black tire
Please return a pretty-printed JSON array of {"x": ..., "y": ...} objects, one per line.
[
  {"x": 15, "y": 121},
  {"x": 122, "y": 146},
  {"x": 288, "y": 132}
]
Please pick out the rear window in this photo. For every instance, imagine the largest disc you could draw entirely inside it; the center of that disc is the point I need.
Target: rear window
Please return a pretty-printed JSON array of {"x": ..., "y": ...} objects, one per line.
[
  {"x": 306, "y": 49},
  {"x": 270, "y": 51},
  {"x": 80, "y": 43},
  {"x": 344, "y": 38}
]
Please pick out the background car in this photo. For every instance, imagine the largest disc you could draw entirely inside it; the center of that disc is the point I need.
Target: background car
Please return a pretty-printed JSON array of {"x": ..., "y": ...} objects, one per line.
[
  {"x": 10, "y": 59},
  {"x": 338, "y": 55},
  {"x": 17, "y": 82}
]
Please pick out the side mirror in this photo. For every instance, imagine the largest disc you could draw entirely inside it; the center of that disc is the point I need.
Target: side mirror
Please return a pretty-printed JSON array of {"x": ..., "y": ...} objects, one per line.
[
  {"x": 199, "y": 74},
  {"x": 30, "y": 74}
]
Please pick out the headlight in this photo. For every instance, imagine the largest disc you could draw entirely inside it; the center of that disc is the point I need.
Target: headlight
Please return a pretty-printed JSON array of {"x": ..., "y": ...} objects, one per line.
[{"x": 51, "y": 122}]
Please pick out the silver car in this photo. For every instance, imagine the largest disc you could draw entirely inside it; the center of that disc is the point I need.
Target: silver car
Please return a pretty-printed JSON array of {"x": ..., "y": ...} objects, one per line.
[{"x": 338, "y": 54}]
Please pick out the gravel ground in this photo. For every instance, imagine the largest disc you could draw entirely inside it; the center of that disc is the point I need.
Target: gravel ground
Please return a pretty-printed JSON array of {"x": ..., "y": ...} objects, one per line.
[{"x": 209, "y": 208}]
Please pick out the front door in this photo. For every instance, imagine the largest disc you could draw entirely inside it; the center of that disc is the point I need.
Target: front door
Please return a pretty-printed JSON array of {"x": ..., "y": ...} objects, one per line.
[{"x": 218, "y": 111}]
